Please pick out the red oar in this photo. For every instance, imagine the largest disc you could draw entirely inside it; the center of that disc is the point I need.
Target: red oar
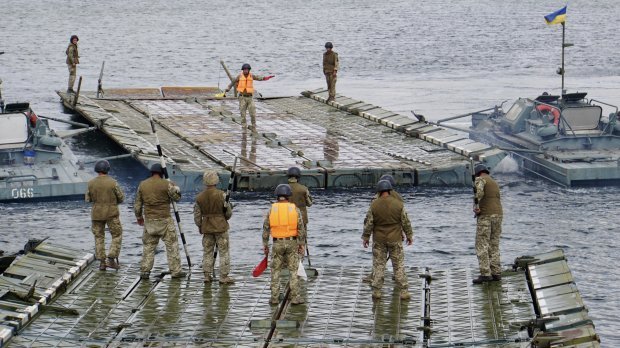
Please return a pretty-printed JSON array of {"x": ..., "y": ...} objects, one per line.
[{"x": 260, "y": 268}]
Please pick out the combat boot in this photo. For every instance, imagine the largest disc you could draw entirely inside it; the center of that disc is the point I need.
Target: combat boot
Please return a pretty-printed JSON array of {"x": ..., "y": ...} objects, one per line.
[
  {"x": 367, "y": 279},
  {"x": 405, "y": 295},
  {"x": 208, "y": 278},
  {"x": 102, "y": 265},
  {"x": 496, "y": 277},
  {"x": 376, "y": 294},
  {"x": 274, "y": 300},
  {"x": 227, "y": 280},
  {"x": 113, "y": 263},
  {"x": 181, "y": 274},
  {"x": 70, "y": 90},
  {"x": 145, "y": 275},
  {"x": 298, "y": 300},
  {"x": 482, "y": 279}
]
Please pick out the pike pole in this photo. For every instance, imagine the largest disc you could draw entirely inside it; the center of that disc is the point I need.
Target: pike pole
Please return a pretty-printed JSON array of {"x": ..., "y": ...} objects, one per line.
[
  {"x": 231, "y": 182},
  {"x": 174, "y": 204}
]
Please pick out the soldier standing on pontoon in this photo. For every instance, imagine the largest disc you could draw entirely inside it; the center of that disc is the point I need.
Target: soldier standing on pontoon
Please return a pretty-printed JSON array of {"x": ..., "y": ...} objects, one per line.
[
  {"x": 244, "y": 83},
  {"x": 73, "y": 59}
]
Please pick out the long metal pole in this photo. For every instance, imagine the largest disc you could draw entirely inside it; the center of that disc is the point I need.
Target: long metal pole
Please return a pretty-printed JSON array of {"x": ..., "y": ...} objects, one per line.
[
  {"x": 231, "y": 182},
  {"x": 174, "y": 204},
  {"x": 563, "y": 35}
]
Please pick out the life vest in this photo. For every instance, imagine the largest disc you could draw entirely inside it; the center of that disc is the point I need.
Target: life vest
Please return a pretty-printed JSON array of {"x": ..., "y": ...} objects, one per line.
[
  {"x": 554, "y": 111},
  {"x": 246, "y": 84},
  {"x": 283, "y": 220}
]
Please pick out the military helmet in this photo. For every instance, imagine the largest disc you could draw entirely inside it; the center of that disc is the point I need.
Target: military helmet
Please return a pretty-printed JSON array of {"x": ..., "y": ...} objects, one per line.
[
  {"x": 389, "y": 178},
  {"x": 293, "y": 172},
  {"x": 329, "y": 45},
  {"x": 383, "y": 185},
  {"x": 210, "y": 177},
  {"x": 157, "y": 168},
  {"x": 102, "y": 166},
  {"x": 480, "y": 168},
  {"x": 246, "y": 66},
  {"x": 283, "y": 190},
  {"x": 73, "y": 37}
]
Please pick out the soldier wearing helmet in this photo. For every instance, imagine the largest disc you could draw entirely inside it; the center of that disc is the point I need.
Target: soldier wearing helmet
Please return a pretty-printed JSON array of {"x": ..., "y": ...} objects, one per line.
[
  {"x": 211, "y": 215},
  {"x": 386, "y": 221},
  {"x": 331, "y": 64},
  {"x": 152, "y": 210},
  {"x": 244, "y": 84},
  {"x": 301, "y": 196},
  {"x": 73, "y": 59},
  {"x": 387, "y": 177},
  {"x": 284, "y": 224},
  {"x": 489, "y": 215},
  {"x": 105, "y": 194}
]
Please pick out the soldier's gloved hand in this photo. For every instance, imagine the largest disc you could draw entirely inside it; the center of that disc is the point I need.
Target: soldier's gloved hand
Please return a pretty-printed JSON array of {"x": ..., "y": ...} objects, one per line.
[
  {"x": 365, "y": 243},
  {"x": 409, "y": 241},
  {"x": 300, "y": 249},
  {"x": 268, "y": 77},
  {"x": 140, "y": 221},
  {"x": 266, "y": 250}
]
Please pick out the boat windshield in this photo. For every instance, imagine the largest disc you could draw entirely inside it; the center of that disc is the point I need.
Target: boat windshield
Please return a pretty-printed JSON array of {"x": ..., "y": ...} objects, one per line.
[
  {"x": 582, "y": 118},
  {"x": 13, "y": 129},
  {"x": 514, "y": 111}
]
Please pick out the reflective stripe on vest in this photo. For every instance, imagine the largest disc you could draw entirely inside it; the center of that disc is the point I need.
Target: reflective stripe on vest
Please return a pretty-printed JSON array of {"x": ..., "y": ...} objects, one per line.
[
  {"x": 246, "y": 85},
  {"x": 283, "y": 220}
]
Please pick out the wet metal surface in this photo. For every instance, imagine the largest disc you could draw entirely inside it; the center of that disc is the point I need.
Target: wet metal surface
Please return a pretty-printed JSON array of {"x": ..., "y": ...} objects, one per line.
[{"x": 345, "y": 143}]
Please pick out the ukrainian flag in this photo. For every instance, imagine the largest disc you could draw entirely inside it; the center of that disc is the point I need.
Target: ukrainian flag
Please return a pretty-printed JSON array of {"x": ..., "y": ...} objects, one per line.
[{"x": 556, "y": 17}]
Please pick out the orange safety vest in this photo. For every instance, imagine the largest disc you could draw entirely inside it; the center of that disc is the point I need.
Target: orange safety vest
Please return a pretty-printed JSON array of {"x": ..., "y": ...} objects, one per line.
[
  {"x": 283, "y": 220},
  {"x": 246, "y": 84}
]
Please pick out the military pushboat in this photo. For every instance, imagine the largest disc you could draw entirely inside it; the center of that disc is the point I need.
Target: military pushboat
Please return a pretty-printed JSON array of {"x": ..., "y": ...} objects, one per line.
[
  {"x": 35, "y": 162},
  {"x": 566, "y": 139}
]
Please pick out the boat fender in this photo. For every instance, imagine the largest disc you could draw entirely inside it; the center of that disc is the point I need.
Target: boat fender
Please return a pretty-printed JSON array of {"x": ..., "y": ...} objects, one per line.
[
  {"x": 547, "y": 131},
  {"x": 32, "y": 117},
  {"x": 50, "y": 141},
  {"x": 553, "y": 111}
]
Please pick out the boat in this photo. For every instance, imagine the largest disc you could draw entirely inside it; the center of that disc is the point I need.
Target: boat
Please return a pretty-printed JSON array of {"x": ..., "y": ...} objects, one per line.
[
  {"x": 566, "y": 139},
  {"x": 35, "y": 162}
]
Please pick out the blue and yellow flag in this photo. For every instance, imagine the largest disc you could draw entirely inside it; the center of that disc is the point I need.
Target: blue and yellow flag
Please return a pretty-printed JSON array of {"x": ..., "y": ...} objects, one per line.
[{"x": 556, "y": 17}]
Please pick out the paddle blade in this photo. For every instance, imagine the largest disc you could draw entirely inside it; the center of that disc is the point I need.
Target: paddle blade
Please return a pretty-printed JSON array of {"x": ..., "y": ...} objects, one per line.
[
  {"x": 301, "y": 272},
  {"x": 260, "y": 268}
]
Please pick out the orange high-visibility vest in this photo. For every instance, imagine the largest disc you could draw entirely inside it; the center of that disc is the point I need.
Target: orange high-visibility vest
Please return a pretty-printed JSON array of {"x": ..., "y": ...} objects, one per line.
[
  {"x": 246, "y": 84},
  {"x": 283, "y": 220}
]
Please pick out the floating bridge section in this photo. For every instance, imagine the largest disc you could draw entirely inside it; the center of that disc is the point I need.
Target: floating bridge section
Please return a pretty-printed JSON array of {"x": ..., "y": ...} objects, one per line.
[
  {"x": 76, "y": 305},
  {"x": 342, "y": 143}
]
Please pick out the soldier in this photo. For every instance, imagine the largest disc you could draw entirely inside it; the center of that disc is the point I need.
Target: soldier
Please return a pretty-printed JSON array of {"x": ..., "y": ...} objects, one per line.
[
  {"x": 73, "y": 59},
  {"x": 488, "y": 210},
  {"x": 368, "y": 279},
  {"x": 285, "y": 225},
  {"x": 211, "y": 215},
  {"x": 331, "y": 63},
  {"x": 244, "y": 83},
  {"x": 152, "y": 210},
  {"x": 386, "y": 221},
  {"x": 301, "y": 196},
  {"x": 105, "y": 194}
]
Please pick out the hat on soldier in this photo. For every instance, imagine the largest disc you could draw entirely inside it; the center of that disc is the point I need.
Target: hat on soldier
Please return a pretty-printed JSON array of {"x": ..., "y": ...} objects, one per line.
[
  {"x": 74, "y": 37},
  {"x": 329, "y": 45},
  {"x": 293, "y": 172},
  {"x": 246, "y": 66},
  {"x": 156, "y": 168},
  {"x": 283, "y": 190},
  {"x": 383, "y": 185},
  {"x": 389, "y": 178},
  {"x": 102, "y": 166},
  {"x": 479, "y": 168},
  {"x": 210, "y": 177}
]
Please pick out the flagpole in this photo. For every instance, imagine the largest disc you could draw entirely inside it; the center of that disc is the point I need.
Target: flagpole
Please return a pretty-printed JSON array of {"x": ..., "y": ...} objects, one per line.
[{"x": 563, "y": 45}]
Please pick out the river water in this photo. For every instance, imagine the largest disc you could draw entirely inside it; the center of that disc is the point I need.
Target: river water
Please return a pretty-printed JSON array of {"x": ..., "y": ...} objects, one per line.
[{"x": 439, "y": 58}]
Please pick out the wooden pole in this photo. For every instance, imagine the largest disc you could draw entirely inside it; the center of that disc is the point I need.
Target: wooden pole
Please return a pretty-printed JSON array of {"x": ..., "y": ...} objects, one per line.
[
  {"x": 229, "y": 76},
  {"x": 77, "y": 94}
]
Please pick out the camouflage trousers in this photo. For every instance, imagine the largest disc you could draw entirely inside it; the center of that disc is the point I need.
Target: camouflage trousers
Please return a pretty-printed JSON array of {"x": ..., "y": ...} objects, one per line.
[
  {"x": 116, "y": 231},
  {"x": 247, "y": 104},
  {"x": 72, "y": 73},
  {"x": 488, "y": 233},
  {"x": 331, "y": 84},
  {"x": 284, "y": 251},
  {"x": 380, "y": 254},
  {"x": 154, "y": 230},
  {"x": 209, "y": 241}
]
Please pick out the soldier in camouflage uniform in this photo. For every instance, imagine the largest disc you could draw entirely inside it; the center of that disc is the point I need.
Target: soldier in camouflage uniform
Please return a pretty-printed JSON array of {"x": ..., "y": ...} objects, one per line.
[
  {"x": 368, "y": 279},
  {"x": 284, "y": 224},
  {"x": 105, "y": 194},
  {"x": 152, "y": 210},
  {"x": 301, "y": 196},
  {"x": 73, "y": 59},
  {"x": 211, "y": 215},
  {"x": 331, "y": 64},
  {"x": 489, "y": 214},
  {"x": 244, "y": 83},
  {"x": 386, "y": 221}
]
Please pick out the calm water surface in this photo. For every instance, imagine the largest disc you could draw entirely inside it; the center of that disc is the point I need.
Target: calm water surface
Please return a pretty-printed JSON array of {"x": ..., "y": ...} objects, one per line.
[{"x": 439, "y": 58}]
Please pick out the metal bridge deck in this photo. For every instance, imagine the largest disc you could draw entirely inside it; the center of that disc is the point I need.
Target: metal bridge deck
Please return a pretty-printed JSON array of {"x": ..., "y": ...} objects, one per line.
[
  {"x": 342, "y": 143},
  {"x": 75, "y": 305}
]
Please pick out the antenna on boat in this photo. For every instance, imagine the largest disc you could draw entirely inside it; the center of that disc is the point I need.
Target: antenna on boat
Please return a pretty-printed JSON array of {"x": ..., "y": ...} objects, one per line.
[{"x": 561, "y": 70}]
